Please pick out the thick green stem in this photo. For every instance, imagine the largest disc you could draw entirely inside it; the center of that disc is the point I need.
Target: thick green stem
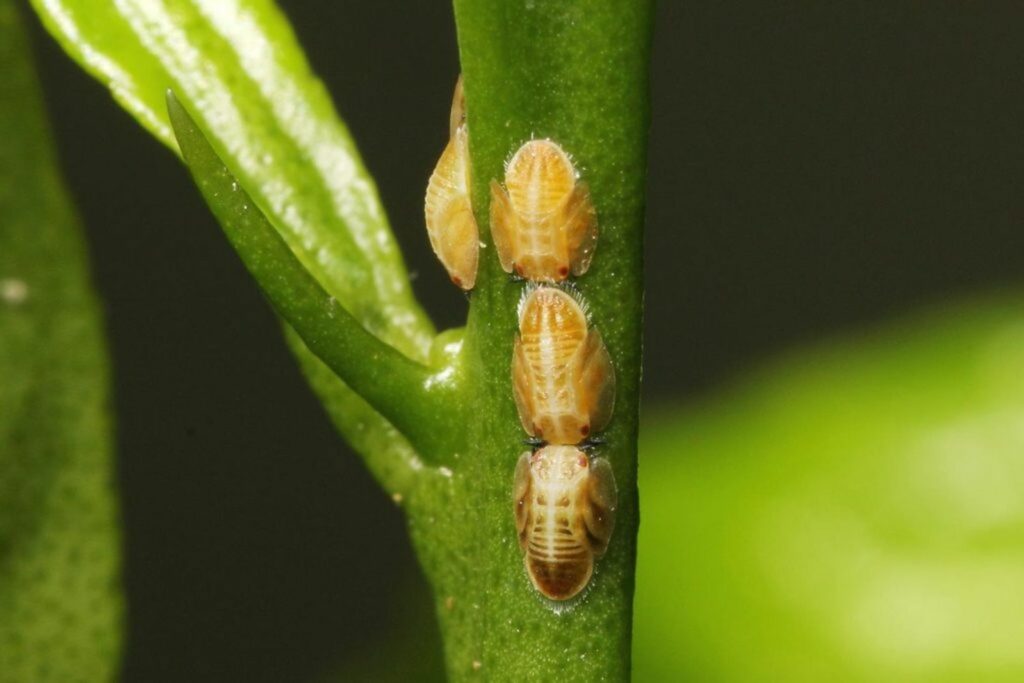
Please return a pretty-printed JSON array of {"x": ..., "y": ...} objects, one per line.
[{"x": 575, "y": 72}]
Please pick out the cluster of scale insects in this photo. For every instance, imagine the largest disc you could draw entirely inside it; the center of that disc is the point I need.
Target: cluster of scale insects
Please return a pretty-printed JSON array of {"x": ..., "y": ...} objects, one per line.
[{"x": 544, "y": 229}]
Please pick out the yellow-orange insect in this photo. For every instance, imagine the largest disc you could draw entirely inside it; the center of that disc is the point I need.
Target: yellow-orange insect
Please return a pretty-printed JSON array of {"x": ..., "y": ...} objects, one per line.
[
  {"x": 563, "y": 378},
  {"x": 451, "y": 225},
  {"x": 542, "y": 222},
  {"x": 565, "y": 513}
]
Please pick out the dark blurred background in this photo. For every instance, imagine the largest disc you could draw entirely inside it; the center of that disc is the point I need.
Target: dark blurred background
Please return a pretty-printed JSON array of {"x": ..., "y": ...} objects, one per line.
[{"x": 813, "y": 167}]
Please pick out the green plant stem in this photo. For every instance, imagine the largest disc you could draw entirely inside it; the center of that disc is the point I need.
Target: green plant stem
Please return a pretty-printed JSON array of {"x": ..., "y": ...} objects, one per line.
[
  {"x": 575, "y": 72},
  {"x": 410, "y": 395}
]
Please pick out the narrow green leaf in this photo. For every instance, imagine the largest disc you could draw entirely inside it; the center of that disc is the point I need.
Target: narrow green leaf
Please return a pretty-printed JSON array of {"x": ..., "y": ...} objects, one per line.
[
  {"x": 60, "y": 606},
  {"x": 237, "y": 67},
  {"x": 405, "y": 392},
  {"x": 852, "y": 514}
]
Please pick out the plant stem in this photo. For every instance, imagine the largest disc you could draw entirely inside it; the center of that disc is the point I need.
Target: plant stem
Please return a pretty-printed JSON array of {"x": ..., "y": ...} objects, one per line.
[{"x": 575, "y": 72}]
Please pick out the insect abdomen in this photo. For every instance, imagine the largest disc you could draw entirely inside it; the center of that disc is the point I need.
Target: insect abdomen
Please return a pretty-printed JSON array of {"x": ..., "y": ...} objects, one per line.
[
  {"x": 560, "y": 580},
  {"x": 565, "y": 509},
  {"x": 559, "y": 559}
]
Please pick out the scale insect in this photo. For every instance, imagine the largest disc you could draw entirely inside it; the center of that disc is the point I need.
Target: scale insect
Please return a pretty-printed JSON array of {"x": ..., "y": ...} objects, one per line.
[
  {"x": 451, "y": 225},
  {"x": 543, "y": 223},
  {"x": 565, "y": 514},
  {"x": 562, "y": 376}
]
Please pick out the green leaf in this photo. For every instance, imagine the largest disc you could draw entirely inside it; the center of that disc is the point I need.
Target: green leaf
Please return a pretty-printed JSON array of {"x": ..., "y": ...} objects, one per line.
[
  {"x": 237, "y": 68},
  {"x": 60, "y": 606},
  {"x": 851, "y": 514},
  {"x": 408, "y": 394}
]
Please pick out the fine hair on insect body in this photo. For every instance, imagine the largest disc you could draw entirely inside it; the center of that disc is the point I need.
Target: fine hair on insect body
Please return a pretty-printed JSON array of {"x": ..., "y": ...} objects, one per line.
[{"x": 543, "y": 222}]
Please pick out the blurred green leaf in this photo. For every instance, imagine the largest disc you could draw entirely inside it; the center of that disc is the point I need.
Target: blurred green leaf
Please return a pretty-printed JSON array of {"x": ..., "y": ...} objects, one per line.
[
  {"x": 60, "y": 605},
  {"x": 854, "y": 513},
  {"x": 237, "y": 67}
]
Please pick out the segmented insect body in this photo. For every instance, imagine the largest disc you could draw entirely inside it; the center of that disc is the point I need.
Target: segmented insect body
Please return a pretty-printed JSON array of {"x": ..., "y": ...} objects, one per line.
[
  {"x": 563, "y": 378},
  {"x": 451, "y": 225},
  {"x": 565, "y": 513},
  {"x": 544, "y": 227},
  {"x": 542, "y": 222}
]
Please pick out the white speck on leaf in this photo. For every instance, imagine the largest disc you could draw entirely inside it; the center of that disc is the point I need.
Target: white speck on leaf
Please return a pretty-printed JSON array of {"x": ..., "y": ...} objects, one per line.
[{"x": 13, "y": 291}]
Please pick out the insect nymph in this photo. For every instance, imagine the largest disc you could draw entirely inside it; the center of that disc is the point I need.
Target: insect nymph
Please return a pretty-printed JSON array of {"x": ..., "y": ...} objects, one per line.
[
  {"x": 542, "y": 222},
  {"x": 565, "y": 513},
  {"x": 451, "y": 225},
  {"x": 563, "y": 378}
]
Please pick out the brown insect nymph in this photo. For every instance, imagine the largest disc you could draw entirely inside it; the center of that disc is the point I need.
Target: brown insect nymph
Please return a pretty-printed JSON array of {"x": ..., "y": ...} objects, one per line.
[{"x": 565, "y": 514}]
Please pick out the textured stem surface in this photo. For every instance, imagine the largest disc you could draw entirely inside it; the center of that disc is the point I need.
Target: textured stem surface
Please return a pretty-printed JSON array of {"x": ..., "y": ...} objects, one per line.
[{"x": 575, "y": 72}]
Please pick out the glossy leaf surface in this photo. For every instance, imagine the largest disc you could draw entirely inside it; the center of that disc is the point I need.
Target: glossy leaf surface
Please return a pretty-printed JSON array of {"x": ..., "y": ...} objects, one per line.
[{"x": 236, "y": 66}]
